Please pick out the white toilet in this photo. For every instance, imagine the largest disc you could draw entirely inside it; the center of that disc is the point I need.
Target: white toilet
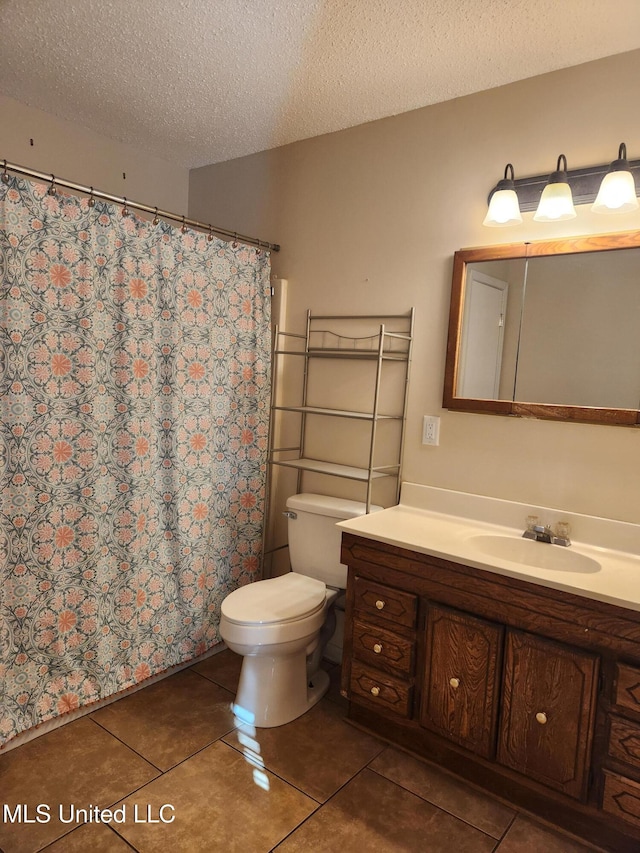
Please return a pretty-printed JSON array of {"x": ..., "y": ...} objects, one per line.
[{"x": 281, "y": 625}]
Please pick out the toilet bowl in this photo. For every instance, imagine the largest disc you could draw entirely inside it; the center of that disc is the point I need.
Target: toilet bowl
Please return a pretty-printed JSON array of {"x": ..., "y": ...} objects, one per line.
[
  {"x": 275, "y": 683},
  {"x": 281, "y": 625}
]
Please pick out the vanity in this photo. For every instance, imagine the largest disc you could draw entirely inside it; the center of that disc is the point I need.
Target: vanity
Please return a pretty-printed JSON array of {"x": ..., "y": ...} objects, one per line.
[{"x": 512, "y": 663}]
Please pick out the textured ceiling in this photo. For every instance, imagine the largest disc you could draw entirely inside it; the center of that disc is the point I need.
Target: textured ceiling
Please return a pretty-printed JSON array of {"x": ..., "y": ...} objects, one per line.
[{"x": 200, "y": 81}]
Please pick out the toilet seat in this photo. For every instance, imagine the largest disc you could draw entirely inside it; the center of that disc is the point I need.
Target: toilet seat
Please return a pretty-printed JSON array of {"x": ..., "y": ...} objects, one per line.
[{"x": 276, "y": 600}]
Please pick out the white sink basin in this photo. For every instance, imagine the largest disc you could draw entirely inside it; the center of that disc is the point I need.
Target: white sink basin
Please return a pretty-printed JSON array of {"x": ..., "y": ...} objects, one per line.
[{"x": 539, "y": 555}]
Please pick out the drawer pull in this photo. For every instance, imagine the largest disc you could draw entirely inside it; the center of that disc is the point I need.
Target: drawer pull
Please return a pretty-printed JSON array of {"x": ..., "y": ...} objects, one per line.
[
  {"x": 375, "y": 691},
  {"x": 541, "y": 717},
  {"x": 454, "y": 682},
  {"x": 379, "y": 604},
  {"x": 377, "y": 648}
]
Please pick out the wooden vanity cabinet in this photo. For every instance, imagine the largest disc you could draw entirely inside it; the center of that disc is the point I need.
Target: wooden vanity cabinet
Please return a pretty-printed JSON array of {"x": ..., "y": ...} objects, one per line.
[{"x": 528, "y": 691}]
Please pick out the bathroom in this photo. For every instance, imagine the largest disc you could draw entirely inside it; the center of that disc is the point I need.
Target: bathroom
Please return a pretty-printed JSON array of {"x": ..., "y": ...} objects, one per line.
[{"x": 368, "y": 219}]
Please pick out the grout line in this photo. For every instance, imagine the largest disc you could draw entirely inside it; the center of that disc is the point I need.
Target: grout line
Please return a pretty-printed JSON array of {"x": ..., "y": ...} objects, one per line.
[
  {"x": 77, "y": 829},
  {"x": 321, "y": 806},
  {"x": 442, "y": 808},
  {"x": 135, "y": 751},
  {"x": 122, "y": 838},
  {"x": 278, "y": 776},
  {"x": 511, "y": 822},
  {"x": 173, "y": 766},
  {"x": 446, "y": 810},
  {"x": 213, "y": 681}
]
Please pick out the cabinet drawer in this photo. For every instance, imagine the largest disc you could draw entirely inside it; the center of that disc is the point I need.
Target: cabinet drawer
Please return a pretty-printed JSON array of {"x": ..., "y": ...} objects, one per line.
[
  {"x": 628, "y": 687},
  {"x": 383, "y": 649},
  {"x": 461, "y": 679},
  {"x": 624, "y": 741},
  {"x": 621, "y": 797},
  {"x": 384, "y": 602},
  {"x": 381, "y": 689}
]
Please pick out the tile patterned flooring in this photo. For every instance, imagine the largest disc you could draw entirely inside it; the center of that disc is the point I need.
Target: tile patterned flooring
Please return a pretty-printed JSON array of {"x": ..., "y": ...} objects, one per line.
[{"x": 314, "y": 785}]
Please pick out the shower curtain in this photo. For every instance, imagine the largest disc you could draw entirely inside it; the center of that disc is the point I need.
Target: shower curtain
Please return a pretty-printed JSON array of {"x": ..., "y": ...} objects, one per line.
[{"x": 134, "y": 385}]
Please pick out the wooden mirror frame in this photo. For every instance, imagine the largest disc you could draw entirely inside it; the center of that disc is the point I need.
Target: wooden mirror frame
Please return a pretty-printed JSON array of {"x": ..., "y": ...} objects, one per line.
[{"x": 548, "y": 411}]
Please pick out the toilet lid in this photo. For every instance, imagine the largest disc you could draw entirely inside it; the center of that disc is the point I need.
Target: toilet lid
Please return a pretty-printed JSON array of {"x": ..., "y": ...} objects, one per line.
[{"x": 281, "y": 599}]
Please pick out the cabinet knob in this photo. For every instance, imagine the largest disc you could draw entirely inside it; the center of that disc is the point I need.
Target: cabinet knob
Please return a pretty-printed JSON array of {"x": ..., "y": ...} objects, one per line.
[
  {"x": 541, "y": 717},
  {"x": 377, "y": 648},
  {"x": 379, "y": 604},
  {"x": 454, "y": 682},
  {"x": 375, "y": 691}
]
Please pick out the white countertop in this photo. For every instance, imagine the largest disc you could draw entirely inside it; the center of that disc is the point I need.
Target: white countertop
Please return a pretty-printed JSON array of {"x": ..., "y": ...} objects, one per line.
[{"x": 416, "y": 524}]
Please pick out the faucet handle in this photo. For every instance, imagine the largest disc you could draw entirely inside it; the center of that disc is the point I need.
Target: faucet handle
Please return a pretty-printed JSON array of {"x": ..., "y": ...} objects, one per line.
[
  {"x": 562, "y": 533},
  {"x": 532, "y": 521}
]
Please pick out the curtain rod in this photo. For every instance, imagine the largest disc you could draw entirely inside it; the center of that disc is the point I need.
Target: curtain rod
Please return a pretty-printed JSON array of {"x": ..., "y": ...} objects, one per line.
[{"x": 165, "y": 214}]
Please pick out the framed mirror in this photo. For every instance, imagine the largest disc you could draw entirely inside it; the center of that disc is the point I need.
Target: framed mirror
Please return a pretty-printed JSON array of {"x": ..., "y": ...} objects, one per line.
[{"x": 548, "y": 330}]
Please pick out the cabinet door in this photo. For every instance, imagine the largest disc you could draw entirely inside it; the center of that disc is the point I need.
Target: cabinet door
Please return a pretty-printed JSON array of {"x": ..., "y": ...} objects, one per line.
[
  {"x": 460, "y": 696},
  {"x": 548, "y": 712}
]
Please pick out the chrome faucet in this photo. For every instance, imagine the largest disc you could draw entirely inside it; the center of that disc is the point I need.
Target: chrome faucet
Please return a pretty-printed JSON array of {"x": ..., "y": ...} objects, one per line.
[{"x": 543, "y": 533}]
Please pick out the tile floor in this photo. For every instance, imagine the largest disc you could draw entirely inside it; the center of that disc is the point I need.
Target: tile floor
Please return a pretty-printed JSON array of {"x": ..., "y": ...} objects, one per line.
[{"x": 314, "y": 785}]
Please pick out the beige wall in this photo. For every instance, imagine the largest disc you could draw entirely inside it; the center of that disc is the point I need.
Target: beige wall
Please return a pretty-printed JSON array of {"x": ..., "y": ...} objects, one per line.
[
  {"x": 83, "y": 157},
  {"x": 369, "y": 219}
]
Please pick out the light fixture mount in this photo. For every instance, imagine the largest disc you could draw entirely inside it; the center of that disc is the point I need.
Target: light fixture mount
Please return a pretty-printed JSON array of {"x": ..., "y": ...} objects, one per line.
[
  {"x": 560, "y": 174},
  {"x": 508, "y": 182}
]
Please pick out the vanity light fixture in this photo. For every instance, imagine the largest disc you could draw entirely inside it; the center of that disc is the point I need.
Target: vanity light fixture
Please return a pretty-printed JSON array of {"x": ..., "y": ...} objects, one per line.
[
  {"x": 504, "y": 208},
  {"x": 617, "y": 192},
  {"x": 611, "y": 186},
  {"x": 556, "y": 201}
]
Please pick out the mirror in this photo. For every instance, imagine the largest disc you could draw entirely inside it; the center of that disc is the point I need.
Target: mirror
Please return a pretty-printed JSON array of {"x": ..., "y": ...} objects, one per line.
[{"x": 548, "y": 330}]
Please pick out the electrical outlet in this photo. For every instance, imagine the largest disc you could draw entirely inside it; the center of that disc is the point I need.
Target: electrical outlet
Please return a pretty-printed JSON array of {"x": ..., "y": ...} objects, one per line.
[{"x": 431, "y": 430}]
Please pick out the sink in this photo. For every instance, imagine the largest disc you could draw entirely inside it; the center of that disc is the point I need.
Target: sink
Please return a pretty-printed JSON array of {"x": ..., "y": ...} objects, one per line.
[{"x": 538, "y": 555}]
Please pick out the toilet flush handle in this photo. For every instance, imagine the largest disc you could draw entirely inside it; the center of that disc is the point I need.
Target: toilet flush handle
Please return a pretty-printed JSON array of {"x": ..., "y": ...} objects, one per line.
[{"x": 290, "y": 514}]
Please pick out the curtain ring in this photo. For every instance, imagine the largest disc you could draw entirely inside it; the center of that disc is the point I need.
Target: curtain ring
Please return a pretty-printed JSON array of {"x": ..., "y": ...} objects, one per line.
[
  {"x": 234, "y": 245},
  {"x": 92, "y": 201},
  {"x": 184, "y": 226},
  {"x": 125, "y": 209},
  {"x": 155, "y": 218},
  {"x": 259, "y": 251},
  {"x": 5, "y": 174},
  {"x": 52, "y": 188},
  {"x": 210, "y": 235}
]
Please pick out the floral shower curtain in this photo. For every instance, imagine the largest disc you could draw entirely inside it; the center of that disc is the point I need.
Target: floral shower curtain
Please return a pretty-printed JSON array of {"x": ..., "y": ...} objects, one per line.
[{"x": 134, "y": 384}]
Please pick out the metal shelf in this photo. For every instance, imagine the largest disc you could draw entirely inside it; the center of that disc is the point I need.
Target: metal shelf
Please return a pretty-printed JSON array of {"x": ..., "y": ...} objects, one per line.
[
  {"x": 365, "y": 355},
  {"x": 336, "y": 413},
  {"x": 333, "y": 469},
  {"x": 370, "y": 337}
]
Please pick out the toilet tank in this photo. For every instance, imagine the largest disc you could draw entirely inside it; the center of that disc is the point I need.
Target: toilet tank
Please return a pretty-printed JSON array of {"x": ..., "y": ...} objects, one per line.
[{"x": 314, "y": 539}]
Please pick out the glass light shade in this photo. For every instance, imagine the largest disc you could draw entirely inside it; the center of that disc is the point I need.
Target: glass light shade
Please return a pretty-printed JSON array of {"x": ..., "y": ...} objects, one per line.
[
  {"x": 617, "y": 193},
  {"x": 504, "y": 209},
  {"x": 556, "y": 203}
]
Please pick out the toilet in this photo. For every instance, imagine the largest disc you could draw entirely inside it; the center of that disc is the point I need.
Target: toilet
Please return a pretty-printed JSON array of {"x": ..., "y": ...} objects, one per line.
[{"x": 281, "y": 625}]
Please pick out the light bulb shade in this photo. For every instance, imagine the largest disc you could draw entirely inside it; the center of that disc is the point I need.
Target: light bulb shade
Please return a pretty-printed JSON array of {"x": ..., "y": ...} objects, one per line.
[
  {"x": 504, "y": 206},
  {"x": 617, "y": 193},
  {"x": 556, "y": 203},
  {"x": 504, "y": 209}
]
